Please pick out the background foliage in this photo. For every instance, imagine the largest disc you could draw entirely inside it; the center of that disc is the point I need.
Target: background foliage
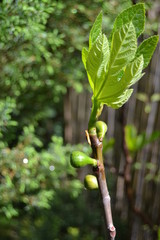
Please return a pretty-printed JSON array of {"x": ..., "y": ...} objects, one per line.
[{"x": 40, "y": 58}]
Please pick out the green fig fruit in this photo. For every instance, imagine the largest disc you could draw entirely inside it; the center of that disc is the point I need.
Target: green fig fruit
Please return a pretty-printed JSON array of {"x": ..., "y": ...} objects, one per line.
[
  {"x": 101, "y": 128},
  {"x": 90, "y": 182},
  {"x": 79, "y": 159}
]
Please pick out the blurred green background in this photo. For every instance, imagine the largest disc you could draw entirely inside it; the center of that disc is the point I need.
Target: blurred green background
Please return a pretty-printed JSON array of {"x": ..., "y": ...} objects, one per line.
[{"x": 41, "y": 195}]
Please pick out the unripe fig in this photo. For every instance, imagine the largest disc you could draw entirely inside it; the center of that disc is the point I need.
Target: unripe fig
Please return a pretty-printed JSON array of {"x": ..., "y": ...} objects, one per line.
[
  {"x": 90, "y": 182},
  {"x": 79, "y": 159},
  {"x": 101, "y": 128}
]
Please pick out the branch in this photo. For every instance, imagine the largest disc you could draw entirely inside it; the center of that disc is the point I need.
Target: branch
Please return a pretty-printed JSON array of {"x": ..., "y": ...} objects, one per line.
[{"x": 97, "y": 146}]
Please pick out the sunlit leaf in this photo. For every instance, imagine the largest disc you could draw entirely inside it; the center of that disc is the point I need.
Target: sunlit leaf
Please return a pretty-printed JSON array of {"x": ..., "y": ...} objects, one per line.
[
  {"x": 147, "y": 48},
  {"x": 123, "y": 48},
  {"x": 122, "y": 51},
  {"x": 130, "y": 76},
  {"x": 84, "y": 56},
  {"x": 96, "y": 30},
  {"x": 119, "y": 100},
  {"x": 113, "y": 70},
  {"x": 97, "y": 60},
  {"x": 134, "y": 14}
]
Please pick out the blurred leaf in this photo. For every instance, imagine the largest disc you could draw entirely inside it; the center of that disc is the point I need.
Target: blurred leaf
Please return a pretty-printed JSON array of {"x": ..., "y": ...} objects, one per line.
[
  {"x": 136, "y": 142},
  {"x": 137, "y": 165},
  {"x": 108, "y": 144},
  {"x": 155, "y": 97},
  {"x": 151, "y": 166},
  {"x": 153, "y": 137},
  {"x": 142, "y": 97},
  {"x": 149, "y": 177},
  {"x": 73, "y": 231},
  {"x": 147, "y": 108}
]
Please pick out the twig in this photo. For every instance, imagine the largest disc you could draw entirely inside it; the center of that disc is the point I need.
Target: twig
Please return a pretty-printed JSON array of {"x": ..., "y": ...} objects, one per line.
[{"x": 97, "y": 145}]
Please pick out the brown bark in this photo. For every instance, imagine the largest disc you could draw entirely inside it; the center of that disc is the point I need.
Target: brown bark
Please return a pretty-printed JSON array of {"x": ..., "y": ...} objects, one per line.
[{"x": 97, "y": 146}]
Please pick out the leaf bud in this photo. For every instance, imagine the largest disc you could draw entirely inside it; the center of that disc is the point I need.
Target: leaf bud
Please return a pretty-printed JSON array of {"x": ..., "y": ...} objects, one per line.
[
  {"x": 90, "y": 182},
  {"x": 101, "y": 128},
  {"x": 79, "y": 159}
]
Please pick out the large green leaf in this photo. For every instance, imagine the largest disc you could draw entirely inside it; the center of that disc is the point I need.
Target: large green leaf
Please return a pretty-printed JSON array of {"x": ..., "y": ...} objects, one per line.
[
  {"x": 147, "y": 48},
  {"x": 131, "y": 74},
  {"x": 134, "y": 14},
  {"x": 97, "y": 59},
  {"x": 123, "y": 49},
  {"x": 96, "y": 30},
  {"x": 112, "y": 70}
]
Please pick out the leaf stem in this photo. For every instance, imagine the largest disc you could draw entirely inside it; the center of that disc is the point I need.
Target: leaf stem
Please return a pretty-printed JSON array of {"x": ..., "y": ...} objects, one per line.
[{"x": 95, "y": 113}]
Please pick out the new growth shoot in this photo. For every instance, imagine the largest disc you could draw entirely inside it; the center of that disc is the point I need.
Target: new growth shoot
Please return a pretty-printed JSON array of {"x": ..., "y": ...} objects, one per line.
[{"x": 112, "y": 67}]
